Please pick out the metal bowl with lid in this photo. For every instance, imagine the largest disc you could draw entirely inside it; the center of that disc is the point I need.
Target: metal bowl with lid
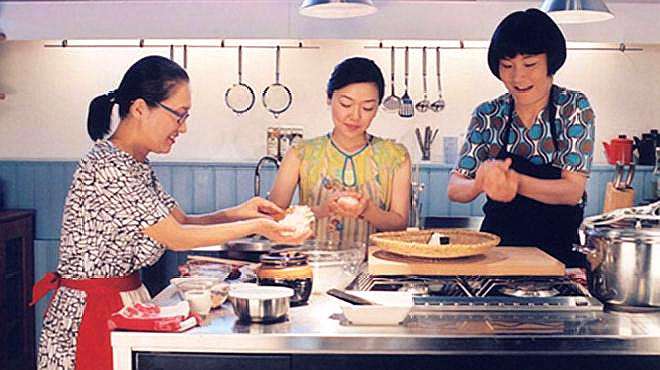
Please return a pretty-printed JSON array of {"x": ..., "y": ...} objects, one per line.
[
  {"x": 623, "y": 254},
  {"x": 262, "y": 304}
]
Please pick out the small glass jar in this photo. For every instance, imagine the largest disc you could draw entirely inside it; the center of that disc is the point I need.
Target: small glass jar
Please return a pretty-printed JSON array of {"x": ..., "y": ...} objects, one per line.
[
  {"x": 272, "y": 141},
  {"x": 285, "y": 140},
  {"x": 288, "y": 269}
]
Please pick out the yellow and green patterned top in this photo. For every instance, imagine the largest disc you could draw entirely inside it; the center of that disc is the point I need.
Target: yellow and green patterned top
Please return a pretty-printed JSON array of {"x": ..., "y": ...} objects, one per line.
[{"x": 326, "y": 169}]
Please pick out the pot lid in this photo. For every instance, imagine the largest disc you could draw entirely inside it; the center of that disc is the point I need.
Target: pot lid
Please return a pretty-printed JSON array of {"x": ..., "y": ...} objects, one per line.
[
  {"x": 283, "y": 259},
  {"x": 254, "y": 244},
  {"x": 632, "y": 222},
  {"x": 622, "y": 139}
]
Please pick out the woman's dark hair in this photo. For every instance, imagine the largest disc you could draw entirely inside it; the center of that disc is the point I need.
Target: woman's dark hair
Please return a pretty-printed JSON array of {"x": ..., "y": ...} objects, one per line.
[
  {"x": 356, "y": 70},
  {"x": 151, "y": 78},
  {"x": 530, "y": 32}
]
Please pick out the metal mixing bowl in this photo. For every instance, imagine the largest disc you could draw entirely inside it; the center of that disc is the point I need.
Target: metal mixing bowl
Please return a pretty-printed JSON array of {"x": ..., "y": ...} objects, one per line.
[{"x": 262, "y": 304}]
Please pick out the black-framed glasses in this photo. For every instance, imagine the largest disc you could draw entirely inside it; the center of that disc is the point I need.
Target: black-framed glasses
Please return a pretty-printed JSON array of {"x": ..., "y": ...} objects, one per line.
[{"x": 180, "y": 117}]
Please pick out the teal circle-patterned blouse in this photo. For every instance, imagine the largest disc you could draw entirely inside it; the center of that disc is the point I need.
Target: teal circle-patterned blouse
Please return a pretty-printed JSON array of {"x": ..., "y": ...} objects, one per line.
[{"x": 575, "y": 129}]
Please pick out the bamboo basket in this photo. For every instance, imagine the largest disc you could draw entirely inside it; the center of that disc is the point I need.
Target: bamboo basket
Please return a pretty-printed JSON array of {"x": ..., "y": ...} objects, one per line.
[{"x": 462, "y": 243}]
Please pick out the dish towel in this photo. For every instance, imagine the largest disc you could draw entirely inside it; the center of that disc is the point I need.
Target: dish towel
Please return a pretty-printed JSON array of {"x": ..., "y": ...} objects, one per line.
[{"x": 151, "y": 317}]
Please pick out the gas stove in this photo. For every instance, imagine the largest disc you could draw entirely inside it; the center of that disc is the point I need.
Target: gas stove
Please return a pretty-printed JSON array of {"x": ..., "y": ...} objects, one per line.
[{"x": 479, "y": 293}]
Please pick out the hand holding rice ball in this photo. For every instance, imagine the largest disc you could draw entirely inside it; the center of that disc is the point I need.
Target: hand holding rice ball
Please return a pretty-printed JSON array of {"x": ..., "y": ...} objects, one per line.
[
  {"x": 300, "y": 217},
  {"x": 350, "y": 204}
]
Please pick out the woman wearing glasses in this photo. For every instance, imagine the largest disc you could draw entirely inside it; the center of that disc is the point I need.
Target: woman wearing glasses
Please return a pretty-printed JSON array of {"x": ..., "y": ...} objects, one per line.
[
  {"x": 348, "y": 161},
  {"x": 118, "y": 218}
]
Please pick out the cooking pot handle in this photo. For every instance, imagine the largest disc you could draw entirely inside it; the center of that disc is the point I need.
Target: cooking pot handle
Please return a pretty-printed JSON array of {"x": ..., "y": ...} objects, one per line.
[
  {"x": 653, "y": 208},
  {"x": 584, "y": 249}
]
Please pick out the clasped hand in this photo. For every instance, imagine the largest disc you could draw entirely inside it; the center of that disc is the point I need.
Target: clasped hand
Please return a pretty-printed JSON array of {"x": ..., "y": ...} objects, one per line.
[
  {"x": 349, "y": 204},
  {"x": 498, "y": 180}
]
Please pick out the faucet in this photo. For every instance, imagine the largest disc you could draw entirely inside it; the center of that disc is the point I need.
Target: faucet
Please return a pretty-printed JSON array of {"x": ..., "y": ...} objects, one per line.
[
  {"x": 416, "y": 190},
  {"x": 257, "y": 170}
]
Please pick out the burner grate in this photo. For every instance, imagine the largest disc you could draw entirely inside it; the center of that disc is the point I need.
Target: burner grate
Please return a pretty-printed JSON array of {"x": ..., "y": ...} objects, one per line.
[{"x": 467, "y": 293}]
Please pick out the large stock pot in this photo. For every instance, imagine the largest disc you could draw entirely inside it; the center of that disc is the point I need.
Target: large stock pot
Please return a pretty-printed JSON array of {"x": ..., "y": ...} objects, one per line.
[{"x": 623, "y": 253}]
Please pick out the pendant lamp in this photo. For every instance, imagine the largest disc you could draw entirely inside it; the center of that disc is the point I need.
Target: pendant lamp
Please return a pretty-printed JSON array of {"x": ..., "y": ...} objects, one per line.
[
  {"x": 337, "y": 8},
  {"x": 577, "y": 11}
]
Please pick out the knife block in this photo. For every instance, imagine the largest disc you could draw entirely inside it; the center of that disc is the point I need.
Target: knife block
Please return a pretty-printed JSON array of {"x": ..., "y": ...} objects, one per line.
[{"x": 617, "y": 198}]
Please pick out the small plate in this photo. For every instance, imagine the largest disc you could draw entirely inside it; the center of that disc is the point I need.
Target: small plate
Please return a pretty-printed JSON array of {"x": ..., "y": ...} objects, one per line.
[
  {"x": 390, "y": 308},
  {"x": 376, "y": 314}
]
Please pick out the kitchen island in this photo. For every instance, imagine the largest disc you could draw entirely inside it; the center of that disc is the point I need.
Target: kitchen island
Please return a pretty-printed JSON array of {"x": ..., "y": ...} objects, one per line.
[{"x": 317, "y": 336}]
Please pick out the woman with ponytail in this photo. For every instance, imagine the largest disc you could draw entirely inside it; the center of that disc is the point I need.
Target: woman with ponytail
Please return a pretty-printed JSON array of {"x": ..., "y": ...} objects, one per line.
[{"x": 118, "y": 218}]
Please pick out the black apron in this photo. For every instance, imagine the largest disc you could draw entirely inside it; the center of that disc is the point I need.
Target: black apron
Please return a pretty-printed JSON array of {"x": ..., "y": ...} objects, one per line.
[{"x": 528, "y": 222}]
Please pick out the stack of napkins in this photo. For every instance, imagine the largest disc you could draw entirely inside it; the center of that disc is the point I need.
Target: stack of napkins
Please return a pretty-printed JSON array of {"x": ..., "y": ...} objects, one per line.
[{"x": 151, "y": 317}]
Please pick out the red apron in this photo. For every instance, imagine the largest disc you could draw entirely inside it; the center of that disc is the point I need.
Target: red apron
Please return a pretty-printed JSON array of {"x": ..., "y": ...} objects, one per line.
[{"x": 93, "y": 350}]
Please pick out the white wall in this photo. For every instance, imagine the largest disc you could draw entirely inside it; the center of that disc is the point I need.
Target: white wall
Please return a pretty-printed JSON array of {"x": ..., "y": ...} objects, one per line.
[
  {"x": 49, "y": 89},
  {"x": 634, "y": 22}
]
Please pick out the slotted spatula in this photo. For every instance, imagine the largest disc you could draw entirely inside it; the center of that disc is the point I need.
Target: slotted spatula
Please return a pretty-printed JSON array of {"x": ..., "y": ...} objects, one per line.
[
  {"x": 407, "y": 108},
  {"x": 392, "y": 103}
]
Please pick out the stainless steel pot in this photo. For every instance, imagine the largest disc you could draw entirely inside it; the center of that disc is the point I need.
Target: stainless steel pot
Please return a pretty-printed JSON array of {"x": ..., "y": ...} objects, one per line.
[{"x": 623, "y": 251}]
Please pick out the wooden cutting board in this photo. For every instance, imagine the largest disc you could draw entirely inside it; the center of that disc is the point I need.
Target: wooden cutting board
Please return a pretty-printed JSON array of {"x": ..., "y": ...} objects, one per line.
[{"x": 499, "y": 261}]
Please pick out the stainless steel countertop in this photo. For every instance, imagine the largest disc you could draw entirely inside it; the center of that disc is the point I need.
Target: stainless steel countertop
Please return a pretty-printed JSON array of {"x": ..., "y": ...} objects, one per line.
[{"x": 319, "y": 327}]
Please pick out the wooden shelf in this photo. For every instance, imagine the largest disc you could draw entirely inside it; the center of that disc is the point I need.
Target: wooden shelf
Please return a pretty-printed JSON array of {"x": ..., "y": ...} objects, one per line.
[{"x": 17, "y": 231}]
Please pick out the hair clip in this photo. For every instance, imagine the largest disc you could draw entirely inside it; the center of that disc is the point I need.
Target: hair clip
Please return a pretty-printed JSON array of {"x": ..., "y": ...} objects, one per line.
[{"x": 112, "y": 94}]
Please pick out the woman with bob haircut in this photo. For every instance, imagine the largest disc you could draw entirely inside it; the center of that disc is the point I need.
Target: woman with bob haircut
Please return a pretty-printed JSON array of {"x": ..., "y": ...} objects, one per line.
[
  {"x": 529, "y": 150},
  {"x": 354, "y": 182}
]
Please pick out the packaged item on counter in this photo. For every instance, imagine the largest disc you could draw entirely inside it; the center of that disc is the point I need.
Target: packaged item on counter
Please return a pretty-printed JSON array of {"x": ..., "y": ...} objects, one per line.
[{"x": 151, "y": 317}]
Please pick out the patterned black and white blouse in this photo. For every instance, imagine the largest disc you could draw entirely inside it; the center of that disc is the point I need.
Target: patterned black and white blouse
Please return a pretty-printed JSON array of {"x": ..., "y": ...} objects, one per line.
[{"x": 111, "y": 200}]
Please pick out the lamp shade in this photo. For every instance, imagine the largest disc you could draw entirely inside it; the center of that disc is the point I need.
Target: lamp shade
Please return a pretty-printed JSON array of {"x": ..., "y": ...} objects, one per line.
[
  {"x": 337, "y": 8},
  {"x": 577, "y": 11}
]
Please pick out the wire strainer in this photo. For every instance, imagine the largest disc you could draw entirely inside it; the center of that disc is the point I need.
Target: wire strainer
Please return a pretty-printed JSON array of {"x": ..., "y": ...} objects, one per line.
[
  {"x": 276, "y": 97},
  {"x": 239, "y": 97}
]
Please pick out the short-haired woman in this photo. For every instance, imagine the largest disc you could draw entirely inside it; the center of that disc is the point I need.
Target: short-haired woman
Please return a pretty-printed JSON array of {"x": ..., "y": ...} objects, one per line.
[
  {"x": 348, "y": 161},
  {"x": 530, "y": 150}
]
